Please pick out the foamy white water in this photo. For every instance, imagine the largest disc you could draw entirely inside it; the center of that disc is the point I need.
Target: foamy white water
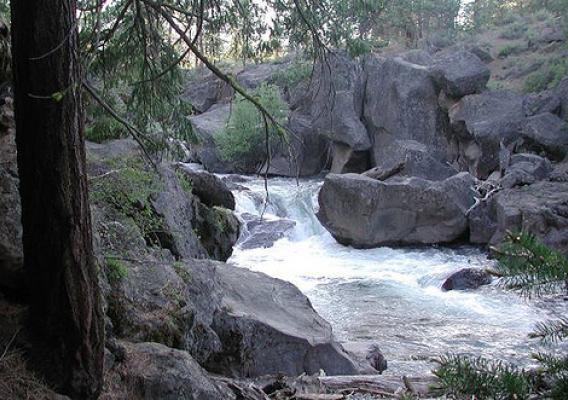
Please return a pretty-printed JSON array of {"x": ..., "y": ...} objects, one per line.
[{"x": 387, "y": 296}]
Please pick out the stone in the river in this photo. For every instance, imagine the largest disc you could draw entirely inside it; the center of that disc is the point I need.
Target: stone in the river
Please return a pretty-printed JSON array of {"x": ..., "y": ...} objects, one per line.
[
  {"x": 364, "y": 212},
  {"x": 263, "y": 233},
  {"x": 467, "y": 278}
]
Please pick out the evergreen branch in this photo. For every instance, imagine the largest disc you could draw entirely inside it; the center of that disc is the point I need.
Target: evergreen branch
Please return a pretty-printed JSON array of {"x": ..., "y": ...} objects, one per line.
[
  {"x": 552, "y": 331},
  {"x": 482, "y": 378},
  {"x": 134, "y": 132},
  {"x": 552, "y": 364},
  {"x": 530, "y": 266}
]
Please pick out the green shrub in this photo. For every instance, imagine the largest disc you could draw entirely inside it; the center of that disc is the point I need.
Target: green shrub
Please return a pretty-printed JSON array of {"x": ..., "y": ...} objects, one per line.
[
  {"x": 548, "y": 76},
  {"x": 127, "y": 189},
  {"x": 116, "y": 270},
  {"x": 509, "y": 50},
  {"x": 101, "y": 126},
  {"x": 294, "y": 74},
  {"x": 514, "y": 31},
  {"x": 243, "y": 142},
  {"x": 358, "y": 46},
  {"x": 184, "y": 181}
]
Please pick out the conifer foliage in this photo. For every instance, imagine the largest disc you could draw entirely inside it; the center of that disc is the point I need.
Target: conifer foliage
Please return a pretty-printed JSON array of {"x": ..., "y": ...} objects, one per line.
[{"x": 533, "y": 269}]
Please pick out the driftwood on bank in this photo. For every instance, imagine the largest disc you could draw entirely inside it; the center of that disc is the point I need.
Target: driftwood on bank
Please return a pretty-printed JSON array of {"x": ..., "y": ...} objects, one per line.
[{"x": 307, "y": 387}]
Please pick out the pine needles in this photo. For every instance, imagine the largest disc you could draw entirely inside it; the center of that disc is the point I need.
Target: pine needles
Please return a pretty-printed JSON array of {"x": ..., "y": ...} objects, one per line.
[{"x": 533, "y": 269}]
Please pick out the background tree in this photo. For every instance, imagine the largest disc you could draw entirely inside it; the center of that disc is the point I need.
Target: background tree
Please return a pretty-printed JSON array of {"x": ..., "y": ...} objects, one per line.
[{"x": 65, "y": 309}]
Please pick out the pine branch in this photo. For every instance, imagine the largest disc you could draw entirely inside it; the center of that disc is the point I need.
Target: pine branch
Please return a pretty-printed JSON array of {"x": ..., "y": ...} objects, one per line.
[
  {"x": 136, "y": 134},
  {"x": 530, "y": 266},
  {"x": 552, "y": 331}
]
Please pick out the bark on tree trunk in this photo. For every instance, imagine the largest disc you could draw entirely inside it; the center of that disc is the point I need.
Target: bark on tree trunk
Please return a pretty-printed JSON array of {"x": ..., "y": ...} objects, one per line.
[{"x": 66, "y": 316}]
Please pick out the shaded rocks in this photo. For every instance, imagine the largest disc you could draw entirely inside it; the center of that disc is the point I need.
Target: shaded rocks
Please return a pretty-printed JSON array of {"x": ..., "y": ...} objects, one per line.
[
  {"x": 416, "y": 158},
  {"x": 346, "y": 160},
  {"x": 206, "y": 126},
  {"x": 401, "y": 103},
  {"x": 546, "y": 133},
  {"x": 482, "y": 125},
  {"x": 218, "y": 230},
  {"x": 376, "y": 358},
  {"x": 205, "y": 91},
  {"x": 155, "y": 371},
  {"x": 176, "y": 210},
  {"x": 210, "y": 189},
  {"x": 525, "y": 169},
  {"x": 540, "y": 209},
  {"x": 467, "y": 278},
  {"x": 460, "y": 73},
  {"x": 364, "y": 212},
  {"x": 263, "y": 233},
  {"x": 308, "y": 153},
  {"x": 337, "y": 101}
]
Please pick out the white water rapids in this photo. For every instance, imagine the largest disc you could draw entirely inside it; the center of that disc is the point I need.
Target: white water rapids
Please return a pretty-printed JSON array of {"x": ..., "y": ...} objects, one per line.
[{"x": 388, "y": 296}]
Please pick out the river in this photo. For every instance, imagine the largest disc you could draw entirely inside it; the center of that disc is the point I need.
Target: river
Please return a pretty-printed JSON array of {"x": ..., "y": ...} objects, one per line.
[{"x": 387, "y": 296}]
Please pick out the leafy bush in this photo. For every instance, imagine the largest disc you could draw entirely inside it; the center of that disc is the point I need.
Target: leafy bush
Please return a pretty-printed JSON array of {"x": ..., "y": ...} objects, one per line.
[
  {"x": 291, "y": 76},
  {"x": 548, "y": 76},
  {"x": 116, "y": 270},
  {"x": 509, "y": 50},
  {"x": 100, "y": 125},
  {"x": 243, "y": 142},
  {"x": 127, "y": 189},
  {"x": 514, "y": 31}
]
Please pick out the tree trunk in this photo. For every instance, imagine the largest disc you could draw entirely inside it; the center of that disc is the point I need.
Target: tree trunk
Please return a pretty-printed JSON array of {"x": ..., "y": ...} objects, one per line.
[{"x": 66, "y": 318}]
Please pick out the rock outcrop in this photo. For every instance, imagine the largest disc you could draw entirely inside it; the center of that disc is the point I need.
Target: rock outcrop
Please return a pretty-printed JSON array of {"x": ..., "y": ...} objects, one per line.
[{"x": 365, "y": 212}]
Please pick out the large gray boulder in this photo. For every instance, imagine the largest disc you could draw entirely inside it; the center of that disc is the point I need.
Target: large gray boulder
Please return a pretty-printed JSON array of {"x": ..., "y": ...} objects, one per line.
[
  {"x": 210, "y": 189},
  {"x": 307, "y": 153},
  {"x": 526, "y": 169},
  {"x": 484, "y": 124},
  {"x": 280, "y": 335},
  {"x": 401, "y": 103},
  {"x": 364, "y": 212},
  {"x": 206, "y": 127},
  {"x": 337, "y": 100},
  {"x": 416, "y": 158},
  {"x": 546, "y": 133},
  {"x": 176, "y": 209},
  {"x": 205, "y": 90},
  {"x": 460, "y": 73},
  {"x": 540, "y": 209},
  {"x": 155, "y": 371}
]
